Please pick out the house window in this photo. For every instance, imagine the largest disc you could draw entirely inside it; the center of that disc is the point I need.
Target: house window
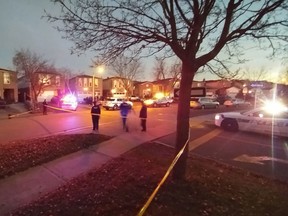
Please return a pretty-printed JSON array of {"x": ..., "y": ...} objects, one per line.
[
  {"x": 96, "y": 82},
  {"x": 7, "y": 78},
  {"x": 85, "y": 82},
  {"x": 46, "y": 81},
  {"x": 80, "y": 82}
]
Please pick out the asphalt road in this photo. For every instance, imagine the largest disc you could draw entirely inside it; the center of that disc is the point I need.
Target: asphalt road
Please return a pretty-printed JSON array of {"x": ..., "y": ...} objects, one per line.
[
  {"x": 261, "y": 154},
  {"x": 56, "y": 122}
]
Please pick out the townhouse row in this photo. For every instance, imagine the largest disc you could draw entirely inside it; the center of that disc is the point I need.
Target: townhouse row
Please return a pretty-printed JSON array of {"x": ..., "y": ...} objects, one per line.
[{"x": 46, "y": 85}]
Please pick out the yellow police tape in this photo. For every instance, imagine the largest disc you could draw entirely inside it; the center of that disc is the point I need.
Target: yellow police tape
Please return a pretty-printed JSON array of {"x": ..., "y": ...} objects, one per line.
[
  {"x": 55, "y": 108},
  {"x": 11, "y": 116},
  {"x": 144, "y": 208}
]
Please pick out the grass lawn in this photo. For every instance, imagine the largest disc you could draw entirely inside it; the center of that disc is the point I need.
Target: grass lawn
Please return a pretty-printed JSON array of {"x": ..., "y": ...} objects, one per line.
[{"x": 123, "y": 185}]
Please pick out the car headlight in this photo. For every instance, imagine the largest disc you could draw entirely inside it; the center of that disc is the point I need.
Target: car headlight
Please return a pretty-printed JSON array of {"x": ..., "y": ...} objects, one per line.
[
  {"x": 218, "y": 116},
  {"x": 148, "y": 102}
]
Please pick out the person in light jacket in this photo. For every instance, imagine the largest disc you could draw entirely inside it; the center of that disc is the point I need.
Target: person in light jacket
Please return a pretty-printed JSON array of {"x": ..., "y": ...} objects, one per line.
[{"x": 125, "y": 108}]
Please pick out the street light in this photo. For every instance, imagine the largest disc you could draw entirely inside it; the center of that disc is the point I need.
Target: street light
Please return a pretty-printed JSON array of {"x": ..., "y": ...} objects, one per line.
[{"x": 100, "y": 69}]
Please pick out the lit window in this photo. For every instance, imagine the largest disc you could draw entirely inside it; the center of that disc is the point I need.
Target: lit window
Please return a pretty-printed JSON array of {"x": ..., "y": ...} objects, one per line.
[
  {"x": 96, "y": 82},
  {"x": 7, "y": 78}
]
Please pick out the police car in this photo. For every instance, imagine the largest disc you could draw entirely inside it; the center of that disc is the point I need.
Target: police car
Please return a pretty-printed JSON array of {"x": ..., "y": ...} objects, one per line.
[
  {"x": 69, "y": 102},
  {"x": 272, "y": 120}
]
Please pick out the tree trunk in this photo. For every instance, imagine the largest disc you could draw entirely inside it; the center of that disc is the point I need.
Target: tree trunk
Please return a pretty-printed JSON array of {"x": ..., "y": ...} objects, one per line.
[{"x": 183, "y": 120}]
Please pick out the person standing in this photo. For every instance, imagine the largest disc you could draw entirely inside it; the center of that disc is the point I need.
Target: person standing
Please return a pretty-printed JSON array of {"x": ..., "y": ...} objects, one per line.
[
  {"x": 143, "y": 116},
  {"x": 95, "y": 113},
  {"x": 45, "y": 107},
  {"x": 124, "y": 110}
]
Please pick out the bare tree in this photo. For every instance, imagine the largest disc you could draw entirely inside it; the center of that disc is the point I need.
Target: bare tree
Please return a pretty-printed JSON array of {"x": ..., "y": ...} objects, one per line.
[
  {"x": 171, "y": 73},
  {"x": 282, "y": 76},
  {"x": 198, "y": 32},
  {"x": 67, "y": 74},
  {"x": 127, "y": 70},
  {"x": 255, "y": 74},
  {"x": 160, "y": 68},
  {"x": 222, "y": 71},
  {"x": 35, "y": 70},
  {"x": 175, "y": 72}
]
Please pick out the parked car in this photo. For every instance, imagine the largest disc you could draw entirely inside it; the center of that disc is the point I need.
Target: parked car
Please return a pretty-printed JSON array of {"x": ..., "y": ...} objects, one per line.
[
  {"x": 134, "y": 98},
  {"x": 114, "y": 103},
  {"x": 236, "y": 102},
  {"x": 56, "y": 100},
  {"x": 259, "y": 120},
  {"x": 203, "y": 103},
  {"x": 157, "y": 102}
]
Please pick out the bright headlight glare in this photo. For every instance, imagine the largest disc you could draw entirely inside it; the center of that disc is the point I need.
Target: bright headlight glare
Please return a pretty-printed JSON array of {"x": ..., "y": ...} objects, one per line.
[
  {"x": 159, "y": 95},
  {"x": 148, "y": 102},
  {"x": 274, "y": 107}
]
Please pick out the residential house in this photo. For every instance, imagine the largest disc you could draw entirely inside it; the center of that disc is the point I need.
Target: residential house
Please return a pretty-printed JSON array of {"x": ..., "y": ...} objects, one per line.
[
  {"x": 143, "y": 89},
  {"x": 44, "y": 84},
  {"x": 213, "y": 86},
  {"x": 240, "y": 83},
  {"x": 228, "y": 92},
  {"x": 82, "y": 86},
  {"x": 148, "y": 89},
  {"x": 165, "y": 86},
  {"x": 117, "y": 87},
  {"x": 8, "y": 85},
  {"x": 233, "y": 91},
  {"x": 197, "y": 84}
]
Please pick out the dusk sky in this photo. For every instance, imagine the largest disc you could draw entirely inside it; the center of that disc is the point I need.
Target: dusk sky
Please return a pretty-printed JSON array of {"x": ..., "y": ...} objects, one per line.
[{"x": 22, "y": 28}]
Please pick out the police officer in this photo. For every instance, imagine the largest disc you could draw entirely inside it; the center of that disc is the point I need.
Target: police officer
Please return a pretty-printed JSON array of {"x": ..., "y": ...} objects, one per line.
[{"x": 95, "y": 113}]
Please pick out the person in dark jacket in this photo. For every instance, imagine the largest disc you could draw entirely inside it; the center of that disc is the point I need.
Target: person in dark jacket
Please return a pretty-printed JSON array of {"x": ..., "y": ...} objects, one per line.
[
  {"x": 143, "y": 116},
  {"x": 45, "y": 107},
  {"x": 125, "y": 108},
  {"x": 95, "y": 113}
]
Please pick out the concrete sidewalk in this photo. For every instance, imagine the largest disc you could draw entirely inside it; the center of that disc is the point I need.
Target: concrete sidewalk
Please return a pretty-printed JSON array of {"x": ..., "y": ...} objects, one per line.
[
  {"x": 13, "y": 109},
  {"x": 34, "y": 183}
]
